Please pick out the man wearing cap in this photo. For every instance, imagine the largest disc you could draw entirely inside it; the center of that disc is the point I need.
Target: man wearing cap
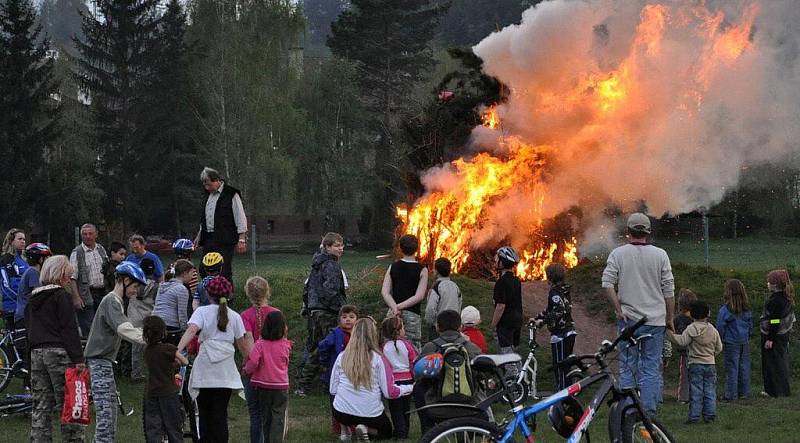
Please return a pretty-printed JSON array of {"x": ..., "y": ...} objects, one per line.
[{"x": 645, "y": 287}]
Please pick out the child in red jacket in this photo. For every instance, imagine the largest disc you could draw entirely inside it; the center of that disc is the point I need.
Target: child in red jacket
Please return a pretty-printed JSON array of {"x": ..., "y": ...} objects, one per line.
[{"x": 470, "y": 319}]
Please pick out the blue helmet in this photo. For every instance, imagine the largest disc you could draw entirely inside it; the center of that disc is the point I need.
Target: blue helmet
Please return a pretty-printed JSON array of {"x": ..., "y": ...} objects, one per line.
[
  {"x": 428, "y": 366},
  {"x": 132, "y": 270},
  {"x": 182, "y": 246}
]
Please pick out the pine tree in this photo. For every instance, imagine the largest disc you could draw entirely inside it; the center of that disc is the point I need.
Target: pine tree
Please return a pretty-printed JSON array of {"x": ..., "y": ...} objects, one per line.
[
  {"x": 389, "y": 43},
  {"x": 28, "y": 111}
]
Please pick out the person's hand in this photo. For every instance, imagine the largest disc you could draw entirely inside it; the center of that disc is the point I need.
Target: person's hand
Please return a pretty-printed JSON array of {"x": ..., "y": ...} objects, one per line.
[
  {"x": 768, "y": 344},
  {"x": 620, "y": 315},
  {"x": 78, "y": 303},
  {"x": 670, "y": 327},
  {"x": 241, "y": 247}
]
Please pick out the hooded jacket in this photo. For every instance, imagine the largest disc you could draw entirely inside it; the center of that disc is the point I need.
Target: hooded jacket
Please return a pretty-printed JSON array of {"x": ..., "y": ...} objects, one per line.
[
  {"x": 703, "y": 342},
  {"x": 325, "y": 287},
  {"x": 734, "y": 328},
  {"x": 50, "y": 321}
]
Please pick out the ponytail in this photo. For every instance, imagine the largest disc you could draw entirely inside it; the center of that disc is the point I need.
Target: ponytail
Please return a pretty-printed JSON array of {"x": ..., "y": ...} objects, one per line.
[{"x": 222, "y": 314}]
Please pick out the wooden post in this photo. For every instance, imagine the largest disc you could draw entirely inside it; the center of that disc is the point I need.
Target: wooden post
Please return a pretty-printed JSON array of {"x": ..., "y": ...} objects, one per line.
[{"x": 253, "y": 244}]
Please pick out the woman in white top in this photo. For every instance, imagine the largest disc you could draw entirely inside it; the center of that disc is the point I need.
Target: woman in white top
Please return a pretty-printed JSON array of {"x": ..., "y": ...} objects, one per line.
[
  {"x": 359, "y": 377},
  {"x": 214, "y": 373}
]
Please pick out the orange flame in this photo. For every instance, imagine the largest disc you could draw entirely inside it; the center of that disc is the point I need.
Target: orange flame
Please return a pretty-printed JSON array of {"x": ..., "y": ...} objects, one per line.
[{"x": 490, "y": 117}]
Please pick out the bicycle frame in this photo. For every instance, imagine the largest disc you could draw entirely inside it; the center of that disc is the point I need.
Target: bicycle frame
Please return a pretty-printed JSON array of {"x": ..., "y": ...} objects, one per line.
[{"x": 8, "y": 342}]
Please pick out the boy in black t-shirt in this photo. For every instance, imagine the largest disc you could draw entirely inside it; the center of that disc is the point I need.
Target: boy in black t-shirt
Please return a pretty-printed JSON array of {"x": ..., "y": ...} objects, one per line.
[
  {"x": 404, "y": 287},
  {"x": 162, "y": 407},
  {"x": 507, "y": 319}
]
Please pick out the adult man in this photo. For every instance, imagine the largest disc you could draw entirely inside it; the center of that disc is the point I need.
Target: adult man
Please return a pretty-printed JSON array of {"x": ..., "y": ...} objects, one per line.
[
  {"x": 88, "y": 281},
  {"x": 224, "y": 223},
  {"x": 643, "y": 276},
  {"x": 139, "y": 253}
]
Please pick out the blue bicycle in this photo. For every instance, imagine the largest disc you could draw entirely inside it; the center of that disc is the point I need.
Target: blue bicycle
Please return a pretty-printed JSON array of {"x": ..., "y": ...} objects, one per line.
[{"x": 627, "y": 419}]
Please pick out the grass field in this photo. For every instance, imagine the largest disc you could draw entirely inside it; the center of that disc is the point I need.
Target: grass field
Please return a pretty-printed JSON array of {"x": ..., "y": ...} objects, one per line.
[{"x": 756, "y": 419}]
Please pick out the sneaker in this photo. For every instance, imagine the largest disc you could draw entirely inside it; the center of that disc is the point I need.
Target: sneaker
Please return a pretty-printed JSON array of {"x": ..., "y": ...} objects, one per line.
[
  {"x": 345, "y": 434},
  {"x": 764, "y": 394},
  {"x": 362, "y": 434},
  {"x": 300, "y": 392}
]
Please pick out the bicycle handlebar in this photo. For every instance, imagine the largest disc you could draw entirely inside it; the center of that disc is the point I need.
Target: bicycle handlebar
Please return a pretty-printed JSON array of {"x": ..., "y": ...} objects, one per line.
[{"x": 577, "y": 360}]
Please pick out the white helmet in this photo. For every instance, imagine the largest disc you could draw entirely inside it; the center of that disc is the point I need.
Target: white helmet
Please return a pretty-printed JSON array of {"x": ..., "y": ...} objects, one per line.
[{"x": 508, "y": 254}]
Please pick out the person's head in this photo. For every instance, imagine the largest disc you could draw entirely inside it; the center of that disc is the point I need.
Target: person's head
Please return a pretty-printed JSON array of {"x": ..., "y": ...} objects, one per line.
[
  {"x": 448, "y": 320},
  {"x": 212, "y": 263},
  {"x": 56, "y": 270},
  {"x": 257, "y": 290},
  {"x": 182, "y": 270},
  {"x": 408, "y": 245},
  {"x": 14, "y": 243},
  {"x": 137, "y": 243},
  {"x": 506, "y": 257},
  {"x": 219, "y": 289},
  {"x": 470, "y": 316},
  {"x": 735, "y": 296},
  {"x": 118, "y": 251},
  {"x": 685, "y": 299},
  {"x": 333, "y": 244},
  {"x": 555, "y": 273},
  {"x": 357, "y": 356},
  {"x": 699, "y": 310},
  {"x": 211, "y": 179},
  {"x": 274, "y": 327},
  {"x": 36, "y": 253},
  {"x": 639, "y": 226},
  {"x": 148, "y": 267},
  {"x": 183, "y": 248},
  {"x": 393, "y": 328},
  {"x": 153, "y": 329},
  {"x": 89, "y": 234},
  {"x": 348, "y": 314},
  {"x": 442, "y": 266},
  {"x": 129, "y": 276},
  {"x": 779, "y": 281}
]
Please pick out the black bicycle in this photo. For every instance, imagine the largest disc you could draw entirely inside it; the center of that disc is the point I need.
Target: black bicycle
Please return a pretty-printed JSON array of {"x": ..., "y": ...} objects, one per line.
[{"x": 11, "y": 363}]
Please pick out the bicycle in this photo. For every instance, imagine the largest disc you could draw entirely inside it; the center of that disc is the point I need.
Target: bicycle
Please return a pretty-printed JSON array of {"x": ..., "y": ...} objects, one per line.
[
  {"x": 16, "y": 404},
  {"x": 190, "y": 411},
  {"x": 627, "y": 420},
  {"x": 11, "y": 367},
  {"x": 524, "y": 386}
]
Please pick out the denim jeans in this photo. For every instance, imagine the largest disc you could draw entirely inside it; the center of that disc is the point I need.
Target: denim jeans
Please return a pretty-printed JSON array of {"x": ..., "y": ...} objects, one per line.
[
  {"x": 737, "y": 370},
  {"x": 640, "y": 366},
  {"x": 702, "y": 391},
  {"x": 251, "y": 396}
]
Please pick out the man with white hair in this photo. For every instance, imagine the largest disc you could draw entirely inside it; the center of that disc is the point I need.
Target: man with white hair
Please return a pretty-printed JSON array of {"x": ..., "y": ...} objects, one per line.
[
  {"x": 223, "y": 226},
  {"x": 645, "y": 288},
  {"x": 88, "y": 281}
]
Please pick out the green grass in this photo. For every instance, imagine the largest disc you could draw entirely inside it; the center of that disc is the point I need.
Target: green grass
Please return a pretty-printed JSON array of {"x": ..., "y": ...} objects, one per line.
[{"x": 751, "y": 420}]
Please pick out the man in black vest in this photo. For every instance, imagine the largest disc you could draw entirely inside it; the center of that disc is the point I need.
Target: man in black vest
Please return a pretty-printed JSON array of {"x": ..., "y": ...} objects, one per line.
[{"x": 224, "y": 224}]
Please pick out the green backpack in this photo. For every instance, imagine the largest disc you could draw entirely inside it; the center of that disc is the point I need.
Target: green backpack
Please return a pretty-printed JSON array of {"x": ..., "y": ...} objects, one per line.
[{"x": 456, "y": 377}]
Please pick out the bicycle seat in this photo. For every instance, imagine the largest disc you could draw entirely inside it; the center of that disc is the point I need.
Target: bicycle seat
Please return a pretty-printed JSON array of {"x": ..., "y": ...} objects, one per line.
[{"x": 489, "y": 361}]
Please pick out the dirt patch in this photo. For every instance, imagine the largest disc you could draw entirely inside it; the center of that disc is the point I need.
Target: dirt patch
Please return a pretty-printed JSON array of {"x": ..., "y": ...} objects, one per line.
[{"x": 592, "y": 329}]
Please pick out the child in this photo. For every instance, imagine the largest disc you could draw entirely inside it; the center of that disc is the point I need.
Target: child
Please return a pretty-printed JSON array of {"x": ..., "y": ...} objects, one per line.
[
  {"x": 404, "y": 287},
  {"x": 704, "y": 343},
  {"x": 118, "y": 253},
  {"x": 444, "y": 295},
  {"x": 401, "y": 355},
  {"x": 211, "y": 267},
  {"x": 685, "y": 299},
  {"x": 257, "y": 290},
  {"x": 329, "y": 349},
  {"x": 507, "y": 319},
  {"x": 558, "y": 318},
  {"x": 138, "y": 308},
  {"x": 470, "y": 319},
  {"x": 109, "y": 326},
  {"x": 734, "y": 322},
  {"x": 183, "y": 248},
  {"x": 268, "y": 368},
  {"x": 162, "y": 407}
]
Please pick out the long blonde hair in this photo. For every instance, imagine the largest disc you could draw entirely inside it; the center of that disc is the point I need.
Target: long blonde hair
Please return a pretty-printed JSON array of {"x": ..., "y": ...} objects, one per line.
[
  {"x": 357, "y": 358},
  {"x": 8, "y": 248},
  {"x": 735, "y": 296}
]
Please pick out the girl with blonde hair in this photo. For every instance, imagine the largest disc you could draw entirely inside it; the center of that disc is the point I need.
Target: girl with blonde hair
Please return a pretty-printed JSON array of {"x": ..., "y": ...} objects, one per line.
[
  {"x": 734, "y": 323},
  {"x": 361, "y": 376},
  {"x": 12, "y": 266}
]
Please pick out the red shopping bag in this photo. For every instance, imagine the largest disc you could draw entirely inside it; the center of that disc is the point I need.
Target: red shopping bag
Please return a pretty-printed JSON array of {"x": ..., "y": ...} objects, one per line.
[{"x": 76, "y": 397}]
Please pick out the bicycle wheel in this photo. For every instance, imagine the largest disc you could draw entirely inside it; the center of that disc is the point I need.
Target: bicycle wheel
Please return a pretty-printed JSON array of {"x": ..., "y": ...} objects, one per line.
[
  {"x": 6, "y": 371},
  {"x": 462, "y": 430},
  {"x": 634, "y": 431}
]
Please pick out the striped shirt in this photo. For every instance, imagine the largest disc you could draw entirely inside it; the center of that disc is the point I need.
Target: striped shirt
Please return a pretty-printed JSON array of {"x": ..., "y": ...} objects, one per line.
[{"x": 172, "y": 302}]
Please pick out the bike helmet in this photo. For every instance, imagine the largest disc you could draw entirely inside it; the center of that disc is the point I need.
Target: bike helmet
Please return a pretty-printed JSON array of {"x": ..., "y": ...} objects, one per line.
[
  {"x": 130, "y": 270},
  {"x": 213, "y": 261},
  {"x": 508, "y": 255},
  {"x": 182, "y": 246},
  {"x": 219, "y": 286},
  {"x": 564, "y": 416},
  {"x": 428, "y": 366},
  {"x": 36, "y": 250}
]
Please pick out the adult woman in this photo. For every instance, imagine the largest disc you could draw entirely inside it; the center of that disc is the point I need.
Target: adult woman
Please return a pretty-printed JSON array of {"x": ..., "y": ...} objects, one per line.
[
  {"x": 214, "y": 373},
  {"x": 12, "y": 266},
  {"x": 172, "y": 300},
  {"x": 55, "y": 344},
  {"x": 776, "y": 322},
  {"x": 359, "y": 377}
]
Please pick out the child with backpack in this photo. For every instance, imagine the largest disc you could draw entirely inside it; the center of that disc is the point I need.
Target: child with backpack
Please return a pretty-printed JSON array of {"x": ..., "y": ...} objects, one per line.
[
  {"x": 268, "y": 369},
  {"x": 734, "y": 322},
  {"x": 558, "y": 318},
  {"x": 703, "y": 343},
  {"x": 401, "y": 355},
  {"x": 449, "y": 343},
  {"x": 443, "y": 295},
  {"x": 162, "y": 407},
  {"x": 329, "y": 349},
  {"x": 211, "y": 267},
  {"x": 470, "y": 319},
  {"x": 685, "y": 299}
]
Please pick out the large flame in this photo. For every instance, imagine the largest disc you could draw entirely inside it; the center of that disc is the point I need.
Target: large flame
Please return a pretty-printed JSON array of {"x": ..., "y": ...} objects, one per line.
[{"x": 564, "y": 121}]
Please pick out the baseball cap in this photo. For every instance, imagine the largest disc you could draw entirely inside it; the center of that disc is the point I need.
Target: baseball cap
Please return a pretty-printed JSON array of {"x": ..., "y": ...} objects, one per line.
[
  {"x": 470, "y": 316},
  {"x": 639, "y": 222}
]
